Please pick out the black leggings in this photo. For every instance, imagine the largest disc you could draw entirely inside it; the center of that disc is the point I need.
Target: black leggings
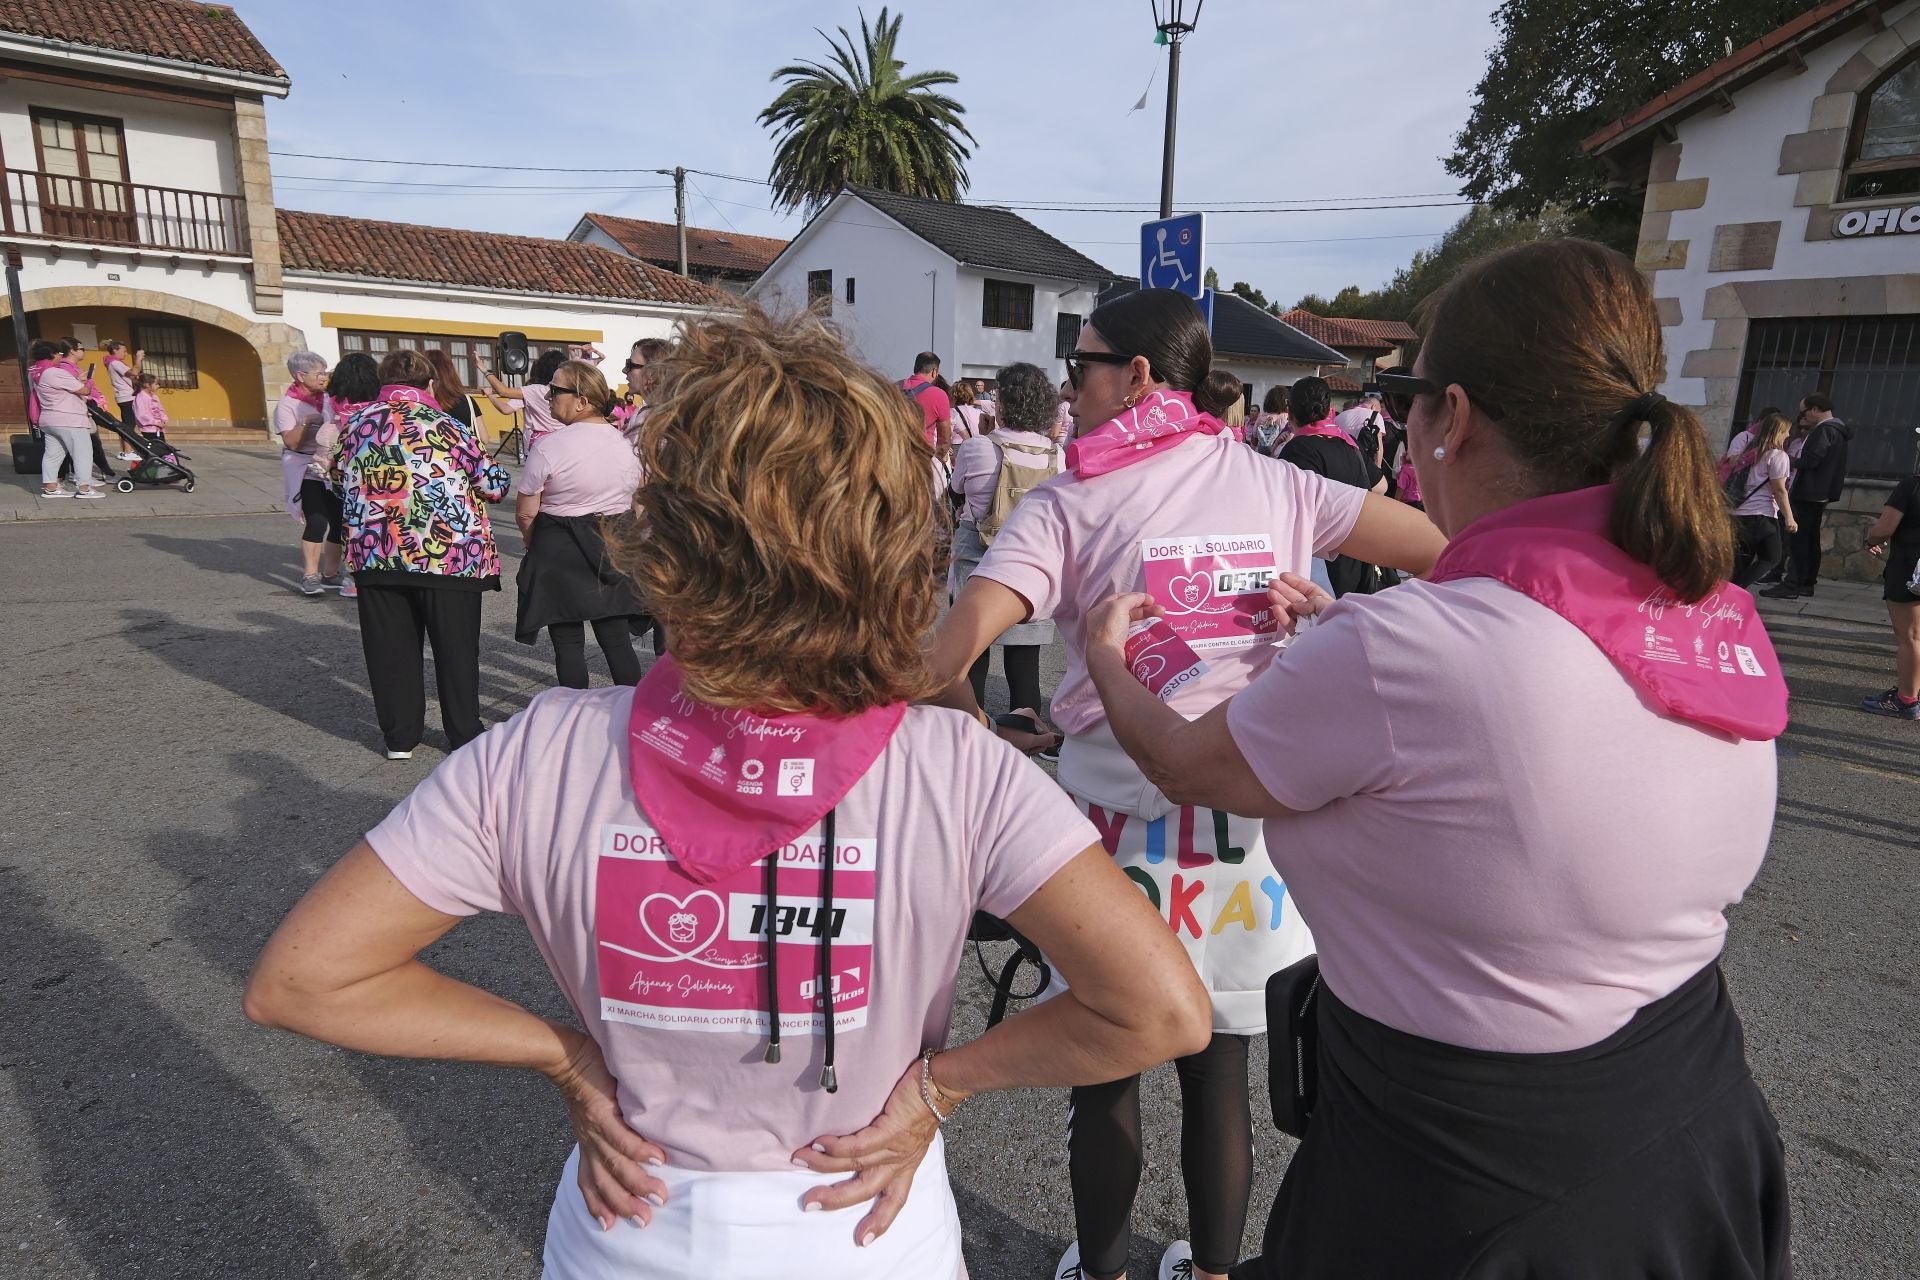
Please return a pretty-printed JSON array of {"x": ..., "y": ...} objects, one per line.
[
  {"x": 320, "y": 507},
  {"x": 1216, "y": 1159},
  {"x": 1756, "y": 550},
  {"x": 1022, "y": 663},
  {"x": 615, "y": 636}
]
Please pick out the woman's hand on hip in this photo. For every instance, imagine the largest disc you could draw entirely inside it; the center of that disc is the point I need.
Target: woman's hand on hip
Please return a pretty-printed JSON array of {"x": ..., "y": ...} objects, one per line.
[
  {"x": 613, "y": 1158},
  {"x": 1111, "y": 620},
  {"x": 882, "y": 1157}
]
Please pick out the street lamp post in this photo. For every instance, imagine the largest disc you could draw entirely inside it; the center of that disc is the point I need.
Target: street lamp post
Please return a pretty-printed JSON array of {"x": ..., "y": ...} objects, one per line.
[{"x": 1175, "y": 24}]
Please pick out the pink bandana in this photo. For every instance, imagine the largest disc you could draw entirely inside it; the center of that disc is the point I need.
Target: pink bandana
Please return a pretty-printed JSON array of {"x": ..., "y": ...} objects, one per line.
[
  {"x": 1159, "y": 421},
  {"x": 1326, "y": 428},
  {"x": 409, "y": 395},
  {"x": 1709, "y": 663},
  {"x": 307, "y": 396},
  {"x": 724, "y": 788}
]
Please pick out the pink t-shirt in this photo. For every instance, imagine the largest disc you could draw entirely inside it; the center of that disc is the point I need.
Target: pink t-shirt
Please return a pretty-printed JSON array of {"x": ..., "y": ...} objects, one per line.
[
  {"x": 585, "y": 469},
  {"x": 1071, "y": 543},
  {"x": 149, "y": 412},
  {"x": 1496, "y": 842},
  {"x": 520, "y": 819},
  {"x": 61, "y": 396},
  {"x": 934, "y": 405},
  {"x": 537, "y": 403},
  {"x": 1759, "y": 499}
]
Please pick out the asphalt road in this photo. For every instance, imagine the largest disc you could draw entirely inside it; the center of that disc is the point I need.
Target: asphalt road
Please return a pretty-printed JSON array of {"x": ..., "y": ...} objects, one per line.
[{"x": 189, "y": 744}]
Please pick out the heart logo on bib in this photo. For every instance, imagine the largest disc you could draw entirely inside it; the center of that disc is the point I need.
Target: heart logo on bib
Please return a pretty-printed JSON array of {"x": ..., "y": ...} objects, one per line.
[
  {"x": 683, "y": 927},
  {"x": 1191, "y": 590}
]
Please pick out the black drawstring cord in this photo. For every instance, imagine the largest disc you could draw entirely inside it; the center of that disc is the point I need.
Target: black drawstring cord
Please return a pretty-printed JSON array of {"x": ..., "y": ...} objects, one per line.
[
  {"x": 773, "y": 953},
  {"x": 828, "y": 1080}
]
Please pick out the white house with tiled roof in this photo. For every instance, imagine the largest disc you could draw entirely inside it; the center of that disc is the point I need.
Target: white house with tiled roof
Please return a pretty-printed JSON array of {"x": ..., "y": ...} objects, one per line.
[
  {"x": 724, "y": 259},
  {"x": 136, "y": 202}
]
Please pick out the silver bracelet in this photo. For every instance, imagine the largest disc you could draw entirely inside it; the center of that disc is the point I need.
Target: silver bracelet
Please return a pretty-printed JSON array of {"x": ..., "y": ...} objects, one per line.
[{"x": 927, "y": 1086}]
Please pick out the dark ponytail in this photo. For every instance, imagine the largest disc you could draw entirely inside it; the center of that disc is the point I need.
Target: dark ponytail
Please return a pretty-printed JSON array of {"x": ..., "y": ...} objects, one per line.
[
  {"x": 1668, "y": 508},
  {"x": 1558, "y": 343},
  {"x": 1164, "y": 326}
]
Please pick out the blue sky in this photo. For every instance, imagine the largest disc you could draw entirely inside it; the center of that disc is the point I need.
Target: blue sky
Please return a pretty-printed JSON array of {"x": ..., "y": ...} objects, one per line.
[{"x": 1281, "y": 101}]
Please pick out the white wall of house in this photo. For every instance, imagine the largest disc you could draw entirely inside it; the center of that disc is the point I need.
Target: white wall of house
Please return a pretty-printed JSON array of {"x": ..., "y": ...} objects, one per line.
[
  {"x": 613, "y": 327},
  {"x": 903, "y": 286},
  {"x": 979, "y": 350},
  {"x": 225, "y": 284},
  {"x": 168, "y": 144},
  {"x": 1738, "y": 151}
]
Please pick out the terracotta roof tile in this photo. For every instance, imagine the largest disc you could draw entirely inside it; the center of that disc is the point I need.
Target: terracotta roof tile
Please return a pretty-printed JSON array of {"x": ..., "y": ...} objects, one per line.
[
  {"x": 1334, "y": 333},
  {"x": 209, "y": 34},
  {"x": 1392, "y": 331},
  {"x": 330, "y": 244},
  {"x": 1817, "y": 20},
  {"x": 1342, "y": 386},
  {"x": 657, "y": 242}
]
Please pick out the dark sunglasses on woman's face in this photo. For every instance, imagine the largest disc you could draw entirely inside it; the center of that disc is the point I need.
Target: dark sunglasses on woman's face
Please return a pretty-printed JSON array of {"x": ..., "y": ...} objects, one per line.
[
  {"x": 1077, "y": 360},
  {"x": 1397, "y": 391},
  {"x": 555, "y": 389},
  {"x": 631, "y": 367}
]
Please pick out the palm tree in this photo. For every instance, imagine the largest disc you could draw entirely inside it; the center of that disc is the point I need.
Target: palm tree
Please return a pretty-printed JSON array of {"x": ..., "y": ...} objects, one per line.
[{"x": 859, "y": 122}]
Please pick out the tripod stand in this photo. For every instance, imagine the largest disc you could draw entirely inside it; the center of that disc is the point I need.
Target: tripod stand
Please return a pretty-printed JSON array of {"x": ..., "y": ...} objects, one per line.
[{"x": 517, "y": 439}]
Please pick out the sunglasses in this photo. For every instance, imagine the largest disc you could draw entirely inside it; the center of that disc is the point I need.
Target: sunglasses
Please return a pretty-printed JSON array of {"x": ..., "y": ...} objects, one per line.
[
  {"x": 1397, "y": 391},
  {"x": 1078, "y": 360},
  {"x": 555, "y": 389},
  {"x": 631, "y": 367}
]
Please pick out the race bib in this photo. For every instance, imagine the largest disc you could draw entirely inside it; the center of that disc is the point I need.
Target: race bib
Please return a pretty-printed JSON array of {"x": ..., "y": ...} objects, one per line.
[
  {"x": 1213, "y": 589},
  {"x": 1160, "y": 659},
  {"x": 677, "y": 955}
]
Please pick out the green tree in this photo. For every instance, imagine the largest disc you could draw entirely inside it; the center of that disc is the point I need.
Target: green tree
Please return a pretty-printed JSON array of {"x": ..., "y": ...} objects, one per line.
[
  {"x": 1242, "y": 289},
  {"x": 858, "y": 120},
  {"x": 1210, "y": 280},
  {"x": 1564, "y": 69}
]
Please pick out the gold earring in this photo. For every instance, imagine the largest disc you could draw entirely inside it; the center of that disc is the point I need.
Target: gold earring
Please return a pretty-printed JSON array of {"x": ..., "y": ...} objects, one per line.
[{"x": 1131, "y": 399}]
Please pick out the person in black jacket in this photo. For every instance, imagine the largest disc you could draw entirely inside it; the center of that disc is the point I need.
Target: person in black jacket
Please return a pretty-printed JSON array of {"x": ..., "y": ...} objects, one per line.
[
  {"x": 1318, "y": 445},
  {"x": 1818, "y": 477}
]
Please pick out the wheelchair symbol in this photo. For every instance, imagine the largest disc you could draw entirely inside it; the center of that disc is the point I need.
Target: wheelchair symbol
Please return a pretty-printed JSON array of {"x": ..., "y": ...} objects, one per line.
[{"x": 1167, "y": 258}]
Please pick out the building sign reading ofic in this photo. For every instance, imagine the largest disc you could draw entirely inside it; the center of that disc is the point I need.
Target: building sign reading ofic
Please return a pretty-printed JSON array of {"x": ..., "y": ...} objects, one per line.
[{"x": 1884, "y": 222}]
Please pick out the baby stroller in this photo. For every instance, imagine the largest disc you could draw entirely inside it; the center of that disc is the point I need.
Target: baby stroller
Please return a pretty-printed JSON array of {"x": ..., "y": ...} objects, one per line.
[{"x": 160, "y": 462}]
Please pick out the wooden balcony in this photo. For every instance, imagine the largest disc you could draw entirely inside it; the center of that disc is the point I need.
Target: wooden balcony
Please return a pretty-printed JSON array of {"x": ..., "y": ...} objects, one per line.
[{"x": 50, "y": 206}]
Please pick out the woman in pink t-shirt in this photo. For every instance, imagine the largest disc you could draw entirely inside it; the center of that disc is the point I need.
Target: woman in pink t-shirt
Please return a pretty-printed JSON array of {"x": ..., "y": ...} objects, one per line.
[
  {"x": 579, "y": 479},
  {"x": 1515, "y": 800},
  {"x": 531, "y": 396},
  {"x": 1156, "y": 494},
  {"x": 752, "y": 874}
]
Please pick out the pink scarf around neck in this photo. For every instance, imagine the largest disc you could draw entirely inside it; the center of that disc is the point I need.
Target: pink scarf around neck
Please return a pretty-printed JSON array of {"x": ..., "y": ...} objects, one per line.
[
  {"x": 726, "y": 787},
  {"x": 1709, "y": 663},
  {"x": 1326, "y": 428},
  {"x": 307, "y": 396},
  {"x": 1160, "y": 420}
]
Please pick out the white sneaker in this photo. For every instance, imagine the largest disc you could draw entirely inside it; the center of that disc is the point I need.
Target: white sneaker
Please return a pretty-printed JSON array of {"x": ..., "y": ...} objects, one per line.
[
  {"x": 1177, "y": 1262},
  {"x": 130, "y": 457},
  {"x": 88, "y": 493},
  {"x": 398, "y": 755},
  {"x": 1069, "y": 1268}
]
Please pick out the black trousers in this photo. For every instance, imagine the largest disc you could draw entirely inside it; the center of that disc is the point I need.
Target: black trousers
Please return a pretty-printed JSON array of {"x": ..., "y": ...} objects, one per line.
[
  {"x": 1216, "y": 1158},
  {"x": 1804, "y": 571},
  {"x": 1022, "y": 664},
  {"x": 615, "y": 637},
  {"x": 1757, "y": 550},
  {"x": 393, "y": 621}
]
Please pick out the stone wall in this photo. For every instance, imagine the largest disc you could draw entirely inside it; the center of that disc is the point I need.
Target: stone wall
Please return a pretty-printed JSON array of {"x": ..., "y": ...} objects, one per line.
[{"x": 1843, "y": 533}]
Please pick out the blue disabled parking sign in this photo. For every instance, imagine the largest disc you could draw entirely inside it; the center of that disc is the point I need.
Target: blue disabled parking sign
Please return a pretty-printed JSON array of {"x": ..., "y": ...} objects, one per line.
[{"x": 1173, "y": 254}]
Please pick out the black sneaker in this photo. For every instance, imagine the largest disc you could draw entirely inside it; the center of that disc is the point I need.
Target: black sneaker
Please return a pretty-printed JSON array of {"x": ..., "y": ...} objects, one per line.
[{"x": 1785, "y": 591}]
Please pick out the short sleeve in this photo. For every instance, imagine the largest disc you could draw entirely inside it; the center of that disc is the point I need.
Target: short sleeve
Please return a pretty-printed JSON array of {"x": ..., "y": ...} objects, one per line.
[
  {"x": 1901, "y": 499},
  {"x": 1334, "y": 509},
  {"x": 445, "y": 842},
  {"x": 60, "y": 380},
  {"x": 1028, "y": 829},
  {"x": 1029, "y": 554},
  {"x": 1778, "y": 465},
  {"x": 533, "y": 476},
  {"x": 1312, "y": 726}
]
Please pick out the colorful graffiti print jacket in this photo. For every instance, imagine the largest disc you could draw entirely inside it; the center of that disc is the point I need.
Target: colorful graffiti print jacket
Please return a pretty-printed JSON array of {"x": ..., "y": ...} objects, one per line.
[{"x": 413, "y": 484}]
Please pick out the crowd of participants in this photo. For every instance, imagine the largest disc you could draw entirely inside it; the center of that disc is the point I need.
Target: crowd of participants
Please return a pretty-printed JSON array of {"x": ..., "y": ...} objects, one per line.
[
  {"x": 63, "y": 399},
  {"x": 1480, "y": 919}
]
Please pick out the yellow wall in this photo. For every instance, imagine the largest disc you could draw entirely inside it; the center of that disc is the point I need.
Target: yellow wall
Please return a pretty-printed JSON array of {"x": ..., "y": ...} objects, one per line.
[{"x": 230, "y": 390}]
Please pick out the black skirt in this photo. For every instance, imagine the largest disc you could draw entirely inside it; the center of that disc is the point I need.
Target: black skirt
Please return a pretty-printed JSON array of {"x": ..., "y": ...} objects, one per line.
[
  {"x": 1651, "y": 1153},
  {"x": 566, "y": 576}
]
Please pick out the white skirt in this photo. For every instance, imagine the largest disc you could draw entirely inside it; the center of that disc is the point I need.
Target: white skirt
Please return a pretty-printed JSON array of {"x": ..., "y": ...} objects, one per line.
[{"x": 749, "y": 1226}]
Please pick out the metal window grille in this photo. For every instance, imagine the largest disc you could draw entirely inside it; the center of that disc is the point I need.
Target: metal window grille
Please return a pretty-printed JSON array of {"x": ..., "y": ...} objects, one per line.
[
  {"x": 169, "y": 348},
  {"x": 1869, "y": 366},
  {"x": 1066, "y": 335},
  {"x": 1005, "y": 304}
]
